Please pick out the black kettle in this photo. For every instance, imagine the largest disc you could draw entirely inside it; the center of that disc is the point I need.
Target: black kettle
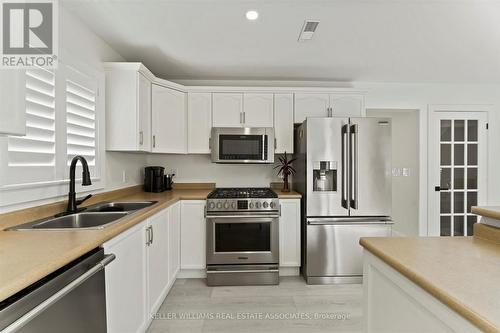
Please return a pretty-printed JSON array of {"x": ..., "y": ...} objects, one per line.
[{"x": 168, "y": 181}]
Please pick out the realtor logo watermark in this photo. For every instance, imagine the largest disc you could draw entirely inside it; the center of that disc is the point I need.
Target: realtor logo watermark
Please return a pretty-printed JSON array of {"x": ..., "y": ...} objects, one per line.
[{"x": 29, "y": 34}]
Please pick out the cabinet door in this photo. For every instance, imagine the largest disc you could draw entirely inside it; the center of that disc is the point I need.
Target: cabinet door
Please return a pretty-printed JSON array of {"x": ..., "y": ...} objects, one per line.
[
  {"x": 12, "y": 97},
  {"x": 158, "y": 248},
  {"x": 227, "y": 109},
  {"x": 169, "y": 120},
  {"x": 126, "y": 281},
  {"x": 258, "y": 110},
  {"x": 290, "y": 233},
  {"x": 193, "y": 233},
  {"x": 144, "y": 112},
  {"x": 199, "y": 122},
  {"x": 174, "y": 253},
  {"x": 283, "y": 123},
  {"x": 347, "y": 105},
  {"x": 311, "y": 105}
]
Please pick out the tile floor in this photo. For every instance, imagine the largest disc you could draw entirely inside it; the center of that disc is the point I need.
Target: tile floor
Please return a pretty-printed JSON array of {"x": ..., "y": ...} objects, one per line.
[{"x": 191, "y": 306}]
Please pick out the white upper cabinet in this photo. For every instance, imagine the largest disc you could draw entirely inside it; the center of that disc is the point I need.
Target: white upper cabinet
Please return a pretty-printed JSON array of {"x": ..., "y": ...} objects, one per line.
[
  {"x": 352, "y": 105},
  {"x": 227, "y": 110},
  {"x": 283, "y": 123},
  {"x": 328, "y": 105},
  {"x": 12, "y": 97},
  {"x": 169, "y": 132},
  {"x": 128, "y": 109},
  {"x": 199, "y": 122},
  {"x": 311, "y": 105},
  {"x": 258, "y": 110}
]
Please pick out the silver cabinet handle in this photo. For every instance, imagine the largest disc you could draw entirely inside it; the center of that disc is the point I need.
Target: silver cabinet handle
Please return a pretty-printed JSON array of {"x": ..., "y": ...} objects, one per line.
[
  {"x": 154, "y": 141},
  {"x": 148, "y": 236},
  {"x": 15, "y": 326},
  {"x": 275, "y": 143},
  {"x": 241, "y": 117},
  {"x": 141, "y": 138},
  {"x": 152, "y": 234},
  {"x": 244, "y": 117}
]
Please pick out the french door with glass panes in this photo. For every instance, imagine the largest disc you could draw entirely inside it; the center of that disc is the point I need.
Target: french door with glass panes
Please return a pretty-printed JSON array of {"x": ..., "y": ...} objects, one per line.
[{"x": 457, "y": 171}]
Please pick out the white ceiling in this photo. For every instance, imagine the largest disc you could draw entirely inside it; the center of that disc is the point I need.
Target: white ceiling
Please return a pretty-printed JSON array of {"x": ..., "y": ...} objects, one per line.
[{"x": 378, "y": 40}]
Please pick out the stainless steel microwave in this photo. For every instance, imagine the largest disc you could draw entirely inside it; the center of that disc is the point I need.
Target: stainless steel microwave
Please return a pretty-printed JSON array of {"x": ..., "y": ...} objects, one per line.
[{"x": 242, "y": 145}]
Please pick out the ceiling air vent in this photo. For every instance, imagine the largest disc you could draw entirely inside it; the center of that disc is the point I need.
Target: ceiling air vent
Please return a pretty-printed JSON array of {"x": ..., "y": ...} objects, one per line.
[{"x": 308, "y": 29}]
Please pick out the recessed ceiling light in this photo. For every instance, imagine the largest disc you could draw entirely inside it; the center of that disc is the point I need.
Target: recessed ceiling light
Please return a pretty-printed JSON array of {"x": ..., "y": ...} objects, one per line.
[{"x": 252, "y": 15}]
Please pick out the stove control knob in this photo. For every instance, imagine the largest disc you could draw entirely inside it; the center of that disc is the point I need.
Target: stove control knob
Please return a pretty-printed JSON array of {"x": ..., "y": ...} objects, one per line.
[
  {"x": 226, "y": 205},
  {"x": 219, "y": 205},
  {"x": 257, "y": 205},
  {"x": 265, "y": 204},
  {"x": 272, "y": 205},
  {"x": 250, "y": 205},
  {"x": 233, "y": 205},
  {"x": 211, "y": 205}
]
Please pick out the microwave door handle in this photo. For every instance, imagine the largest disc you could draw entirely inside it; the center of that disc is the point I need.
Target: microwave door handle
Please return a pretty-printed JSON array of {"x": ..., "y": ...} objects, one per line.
[
  {"x": 344, "y": 166},
  {"x": 263, "y": 147}
]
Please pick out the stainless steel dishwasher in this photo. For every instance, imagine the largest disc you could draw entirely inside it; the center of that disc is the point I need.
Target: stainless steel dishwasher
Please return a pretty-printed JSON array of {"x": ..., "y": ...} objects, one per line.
[{"x": 72, "y": 299}]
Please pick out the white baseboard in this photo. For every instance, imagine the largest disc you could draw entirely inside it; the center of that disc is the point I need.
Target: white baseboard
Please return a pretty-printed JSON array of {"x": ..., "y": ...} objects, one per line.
[{"x": 201, "y": 274}]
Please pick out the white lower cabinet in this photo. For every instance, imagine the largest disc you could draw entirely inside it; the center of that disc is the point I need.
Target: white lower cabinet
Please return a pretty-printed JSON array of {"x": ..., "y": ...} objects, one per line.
[
  {"x": 289, "y": 233},
  {"x": 145, "y": 268},
  {"x": 158, "y": 259},
  {"x": 393, "y": 303},
  {"x": 193, "y": 234},
  {"x": 126, "y": 285},
  {"x": 174, "y": 243}
]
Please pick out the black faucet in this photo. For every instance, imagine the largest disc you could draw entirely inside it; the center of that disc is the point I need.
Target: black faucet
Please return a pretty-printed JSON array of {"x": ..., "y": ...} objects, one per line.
[{"x": 72, "y": 201}]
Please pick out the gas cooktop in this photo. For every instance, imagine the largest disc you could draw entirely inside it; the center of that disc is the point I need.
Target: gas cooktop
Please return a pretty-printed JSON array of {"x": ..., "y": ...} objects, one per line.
[
  {"x": 242, "y": 192},
  {"x": 241, "y": 199}
]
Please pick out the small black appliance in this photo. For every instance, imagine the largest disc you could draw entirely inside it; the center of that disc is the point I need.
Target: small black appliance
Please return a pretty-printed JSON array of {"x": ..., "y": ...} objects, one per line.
[{"x": 153, "y": 179}]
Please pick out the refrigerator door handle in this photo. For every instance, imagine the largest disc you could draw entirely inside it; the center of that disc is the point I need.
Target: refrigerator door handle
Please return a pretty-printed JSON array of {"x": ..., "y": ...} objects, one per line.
[
  {"x": 353, "y": 188},
  {"x": 344, "y": 167}
]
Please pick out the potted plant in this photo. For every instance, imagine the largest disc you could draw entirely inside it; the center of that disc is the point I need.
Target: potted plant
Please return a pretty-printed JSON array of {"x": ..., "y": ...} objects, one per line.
[{"x": 285, "y": 169}]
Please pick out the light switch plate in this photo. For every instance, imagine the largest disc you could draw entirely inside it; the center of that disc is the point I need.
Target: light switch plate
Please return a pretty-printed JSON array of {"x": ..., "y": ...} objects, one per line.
[{"x": 406, "y": 172}]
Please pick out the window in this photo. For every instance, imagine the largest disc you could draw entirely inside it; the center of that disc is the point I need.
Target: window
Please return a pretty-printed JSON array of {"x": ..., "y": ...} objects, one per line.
[{"x": 64, "y": 118}]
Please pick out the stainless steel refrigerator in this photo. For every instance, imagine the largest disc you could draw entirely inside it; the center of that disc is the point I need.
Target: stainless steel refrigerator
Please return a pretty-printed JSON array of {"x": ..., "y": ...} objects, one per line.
[{"x": 344, "y": 175}]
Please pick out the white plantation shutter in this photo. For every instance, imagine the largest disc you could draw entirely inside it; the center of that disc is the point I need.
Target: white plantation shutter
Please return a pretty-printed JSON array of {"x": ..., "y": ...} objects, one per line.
[
  {"x": 64, "y": 118},
  {"x": 32, "y": 158},
  {"x": 81, "y": 126}
]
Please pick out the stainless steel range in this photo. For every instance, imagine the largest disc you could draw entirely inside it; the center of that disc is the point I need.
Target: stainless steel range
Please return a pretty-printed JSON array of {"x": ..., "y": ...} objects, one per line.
[{"x": 242, "y": 236}]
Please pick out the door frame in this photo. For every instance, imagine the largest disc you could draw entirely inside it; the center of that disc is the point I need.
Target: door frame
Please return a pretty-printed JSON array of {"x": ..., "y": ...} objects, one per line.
[{"x": 433, "y": 109}]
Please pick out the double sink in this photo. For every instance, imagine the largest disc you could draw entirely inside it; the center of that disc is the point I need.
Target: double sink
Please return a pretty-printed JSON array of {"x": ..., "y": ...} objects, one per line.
[{"x": 97, "y": 216}]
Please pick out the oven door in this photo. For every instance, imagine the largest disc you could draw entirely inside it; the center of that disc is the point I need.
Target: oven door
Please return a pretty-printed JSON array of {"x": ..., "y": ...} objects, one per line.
[{"x": 235, "y": 239}]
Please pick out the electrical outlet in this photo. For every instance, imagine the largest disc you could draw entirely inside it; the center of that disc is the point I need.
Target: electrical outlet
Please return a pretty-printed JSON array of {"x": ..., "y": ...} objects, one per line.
[
  {"x": 124, "y": 176},
  {"x": 174, "y": 171},
  {"x": 396, "y": 172}
]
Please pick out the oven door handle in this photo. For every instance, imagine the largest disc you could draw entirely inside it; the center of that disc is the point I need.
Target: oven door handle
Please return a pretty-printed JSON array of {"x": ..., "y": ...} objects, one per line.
[
  {"x": 242, "y": 217},
  {"x": 244, "y": 271}
]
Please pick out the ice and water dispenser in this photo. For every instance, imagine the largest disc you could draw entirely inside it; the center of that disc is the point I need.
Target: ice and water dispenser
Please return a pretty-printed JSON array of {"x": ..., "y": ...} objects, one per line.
[{"x": 325, "y": 176}]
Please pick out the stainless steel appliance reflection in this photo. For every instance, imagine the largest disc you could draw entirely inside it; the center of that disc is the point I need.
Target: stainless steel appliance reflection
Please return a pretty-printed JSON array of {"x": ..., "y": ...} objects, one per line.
[
  {"x": 242, "y": 236},
  {"x": 344, "y": 175}
]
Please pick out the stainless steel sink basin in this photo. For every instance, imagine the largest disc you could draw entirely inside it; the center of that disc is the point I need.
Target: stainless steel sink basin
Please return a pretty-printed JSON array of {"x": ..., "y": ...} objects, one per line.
[
  {"x": 119, "y": 206},
  {"x": 80, "y": 221},
  {"x": 97, "y": 216}
]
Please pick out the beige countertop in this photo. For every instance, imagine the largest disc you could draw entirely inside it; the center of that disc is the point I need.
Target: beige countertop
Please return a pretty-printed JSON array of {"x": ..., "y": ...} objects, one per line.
[
  {"x": 487, "y": 211},
  {"x": 28, "y": 256},
  {"x": 461, "y": 272}
]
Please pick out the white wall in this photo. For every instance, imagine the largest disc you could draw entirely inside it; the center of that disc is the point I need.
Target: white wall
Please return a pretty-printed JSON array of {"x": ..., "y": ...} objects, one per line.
[
  {"x": 405, "y": 154},
  {"x": 199, "y": 168}
]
